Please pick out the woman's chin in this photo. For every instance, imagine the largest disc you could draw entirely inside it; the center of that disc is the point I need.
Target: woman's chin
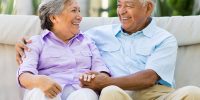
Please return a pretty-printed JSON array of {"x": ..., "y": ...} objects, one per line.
[{"x": 77, "y": 32}]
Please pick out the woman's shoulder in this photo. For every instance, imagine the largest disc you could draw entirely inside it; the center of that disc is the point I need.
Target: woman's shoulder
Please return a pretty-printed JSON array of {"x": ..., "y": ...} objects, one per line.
[{"x": 36, "y": 42}]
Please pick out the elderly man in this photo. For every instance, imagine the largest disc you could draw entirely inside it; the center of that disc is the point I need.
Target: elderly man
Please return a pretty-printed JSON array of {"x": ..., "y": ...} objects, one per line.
[{"x": 140, "y": 56}]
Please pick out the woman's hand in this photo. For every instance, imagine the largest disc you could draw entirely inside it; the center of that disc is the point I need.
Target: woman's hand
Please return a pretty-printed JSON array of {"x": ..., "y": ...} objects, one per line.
[
  {"x": 50, "y": 88},
  {"x": 20, "y": 46},
  {"x": 87, "y": 77},
  {"x": 43, "y": 82},
  {"x": 97, "y": 83}
]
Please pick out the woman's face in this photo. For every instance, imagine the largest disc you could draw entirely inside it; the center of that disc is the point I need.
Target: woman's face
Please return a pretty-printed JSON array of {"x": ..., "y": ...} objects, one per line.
[{"x": 67, "y": 23}]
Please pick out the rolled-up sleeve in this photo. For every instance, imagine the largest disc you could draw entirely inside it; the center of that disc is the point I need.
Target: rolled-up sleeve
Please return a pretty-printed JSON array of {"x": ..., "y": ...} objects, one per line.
[
  {"x": 30, "y": 60},
  {"x": 163, "y": 60}
]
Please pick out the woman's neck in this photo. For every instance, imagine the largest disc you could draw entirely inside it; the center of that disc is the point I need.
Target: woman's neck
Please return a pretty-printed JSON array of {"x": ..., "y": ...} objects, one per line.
[{"x": 59, "y": 35}]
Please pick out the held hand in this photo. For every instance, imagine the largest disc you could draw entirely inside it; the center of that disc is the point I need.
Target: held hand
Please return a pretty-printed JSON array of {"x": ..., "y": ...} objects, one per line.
[
  {"x": 50, "y": 88},
  {"x": 99, "y": 82},
  {"x": 20, "y": 47},
  {"x": 87, "y": 77}
]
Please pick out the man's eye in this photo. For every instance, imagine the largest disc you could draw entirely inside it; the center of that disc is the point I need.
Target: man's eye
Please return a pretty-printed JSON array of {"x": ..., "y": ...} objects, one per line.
[
  {"x": 130, "y": 5},
  {"x": 118, "y": 5}
]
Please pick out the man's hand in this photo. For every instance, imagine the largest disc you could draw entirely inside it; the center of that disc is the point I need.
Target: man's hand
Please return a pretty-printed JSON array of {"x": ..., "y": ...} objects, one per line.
[
  {"x": 20, "y": 47},
  {"x": 99, "y": 82},
  {"x": 50, "y": 88}
]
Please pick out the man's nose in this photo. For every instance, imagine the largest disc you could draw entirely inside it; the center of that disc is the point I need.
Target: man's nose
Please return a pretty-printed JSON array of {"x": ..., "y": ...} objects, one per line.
[{"x": 122, "y": 11}]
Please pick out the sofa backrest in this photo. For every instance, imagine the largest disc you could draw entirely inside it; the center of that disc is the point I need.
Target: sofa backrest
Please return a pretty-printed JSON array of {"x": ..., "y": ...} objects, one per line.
[
  {"x": 185, "y": 29},
  {"x": 13, "y": 27}
]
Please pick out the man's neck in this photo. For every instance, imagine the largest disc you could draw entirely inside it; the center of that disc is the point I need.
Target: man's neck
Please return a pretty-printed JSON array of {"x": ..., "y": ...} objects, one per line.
[{"x": 146, "y": 23}]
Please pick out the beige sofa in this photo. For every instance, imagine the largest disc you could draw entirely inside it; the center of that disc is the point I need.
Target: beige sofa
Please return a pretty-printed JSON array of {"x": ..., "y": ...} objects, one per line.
[{"x": 185, "y": 29}]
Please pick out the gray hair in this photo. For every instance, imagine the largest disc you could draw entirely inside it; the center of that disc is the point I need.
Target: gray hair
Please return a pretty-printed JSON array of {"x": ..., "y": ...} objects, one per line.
[{"x": 48, "y": 8}]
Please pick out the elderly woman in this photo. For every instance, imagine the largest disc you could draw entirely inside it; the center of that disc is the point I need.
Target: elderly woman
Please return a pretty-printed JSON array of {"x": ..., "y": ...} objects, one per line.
[{"x": 59, "y": 56}]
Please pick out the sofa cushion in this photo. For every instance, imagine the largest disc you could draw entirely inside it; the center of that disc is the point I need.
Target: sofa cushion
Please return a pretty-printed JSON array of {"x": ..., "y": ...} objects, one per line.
[
  {"x": 13, "y": 27},
  {"x": 186, "y": 29},
  {"x": 187, "y": 66}
]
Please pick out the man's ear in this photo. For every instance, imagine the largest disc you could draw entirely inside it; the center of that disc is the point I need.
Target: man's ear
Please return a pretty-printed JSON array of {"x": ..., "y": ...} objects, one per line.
[{"x": 150, "y": 7}]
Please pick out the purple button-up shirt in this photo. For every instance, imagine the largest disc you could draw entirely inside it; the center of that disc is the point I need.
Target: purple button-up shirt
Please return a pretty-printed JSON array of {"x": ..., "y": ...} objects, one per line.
[{"x": 63, "y": 62}]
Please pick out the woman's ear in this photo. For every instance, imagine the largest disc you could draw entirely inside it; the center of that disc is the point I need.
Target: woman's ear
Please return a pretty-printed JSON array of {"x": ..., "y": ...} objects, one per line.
[{"x": 53, "y": 18}]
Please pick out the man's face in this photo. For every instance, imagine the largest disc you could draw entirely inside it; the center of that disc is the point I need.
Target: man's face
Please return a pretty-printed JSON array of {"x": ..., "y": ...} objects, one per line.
[{"x": 132, "y": 14}]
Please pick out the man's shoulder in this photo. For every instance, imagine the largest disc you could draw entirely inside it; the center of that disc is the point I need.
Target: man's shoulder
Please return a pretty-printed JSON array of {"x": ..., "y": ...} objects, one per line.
[
  {"x": 102, "y": 32},
  {"x": 103, "y": 36},
  {"x": 104, "y": 29},
  {"x": 161, "y": 32},
  {"x": 162, "y": 35},
  {"x": 105, "y": 26},
  {"x": 154, "y": 30}
]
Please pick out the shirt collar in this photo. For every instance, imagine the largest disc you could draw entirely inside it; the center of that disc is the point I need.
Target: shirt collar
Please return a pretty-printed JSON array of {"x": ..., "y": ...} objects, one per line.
[
  {"x": 117, "y": 29},
  {"x": 46, "y": 32},
  {"x": 147, "y": 31}
]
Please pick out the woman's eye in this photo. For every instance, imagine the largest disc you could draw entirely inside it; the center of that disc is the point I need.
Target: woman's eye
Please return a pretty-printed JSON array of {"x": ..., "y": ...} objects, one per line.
[
  {"x": 74, "y": 10},
  {"x": 129, "y": 6}
]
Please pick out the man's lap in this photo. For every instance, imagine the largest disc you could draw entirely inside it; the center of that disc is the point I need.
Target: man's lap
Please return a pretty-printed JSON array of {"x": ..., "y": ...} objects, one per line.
[
  {"x": 156, "y": 92},
  {"x": 151, "y": 93}
]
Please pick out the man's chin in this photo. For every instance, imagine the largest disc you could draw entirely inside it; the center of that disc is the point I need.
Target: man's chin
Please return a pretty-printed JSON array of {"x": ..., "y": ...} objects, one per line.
[{"x": 124, "y": 27}]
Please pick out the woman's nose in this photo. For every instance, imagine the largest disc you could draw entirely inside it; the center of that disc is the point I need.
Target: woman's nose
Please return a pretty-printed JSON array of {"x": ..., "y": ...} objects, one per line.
[{"x": 79, "y": 16}]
